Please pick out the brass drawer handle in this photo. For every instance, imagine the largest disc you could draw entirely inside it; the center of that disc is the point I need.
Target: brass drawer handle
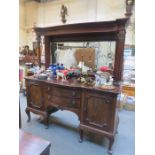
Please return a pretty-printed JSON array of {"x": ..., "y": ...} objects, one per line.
[
  {"x": 107, "y": 101},
  {"x": 72, "y": 102},
  {"x": 49, "y": 97},
  {"x": 48, "y": 88},
  {"x": 73, "y": 93}
]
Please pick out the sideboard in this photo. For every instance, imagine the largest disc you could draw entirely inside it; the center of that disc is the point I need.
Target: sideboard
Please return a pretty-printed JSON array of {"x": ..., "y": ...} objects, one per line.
[{"x": 96, "y": 108}]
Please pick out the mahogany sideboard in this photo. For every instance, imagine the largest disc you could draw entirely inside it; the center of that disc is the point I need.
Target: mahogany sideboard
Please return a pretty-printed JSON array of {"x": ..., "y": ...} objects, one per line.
[{"x": 95, "y": 107}]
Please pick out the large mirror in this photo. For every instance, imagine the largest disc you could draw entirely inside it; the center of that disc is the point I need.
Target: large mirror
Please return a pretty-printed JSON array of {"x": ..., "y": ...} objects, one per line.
[
  {"x": 92, "y": 54},
  {"x": 107, "y": 38}
]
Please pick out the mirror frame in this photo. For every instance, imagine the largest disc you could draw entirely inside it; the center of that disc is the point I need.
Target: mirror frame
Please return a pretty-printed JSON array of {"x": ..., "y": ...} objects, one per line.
[{"x": 93, "y": 31}]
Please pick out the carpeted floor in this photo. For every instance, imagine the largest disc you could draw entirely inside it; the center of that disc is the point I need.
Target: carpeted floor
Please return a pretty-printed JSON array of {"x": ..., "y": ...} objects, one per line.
[{"x": 63, "y": 134}]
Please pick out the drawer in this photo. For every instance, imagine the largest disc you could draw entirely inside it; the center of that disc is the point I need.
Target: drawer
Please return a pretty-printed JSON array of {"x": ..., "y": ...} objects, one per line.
[
  {"x": 63, "y": 101},
  {"x": 64, "y": 92}
]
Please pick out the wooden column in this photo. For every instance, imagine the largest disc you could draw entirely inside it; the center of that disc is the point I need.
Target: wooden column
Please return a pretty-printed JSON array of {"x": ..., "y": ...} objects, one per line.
[
  {"x": 118, "y": 67},
  {"x": 38, "y": 39},
  {"x": 47, "y": 51}
]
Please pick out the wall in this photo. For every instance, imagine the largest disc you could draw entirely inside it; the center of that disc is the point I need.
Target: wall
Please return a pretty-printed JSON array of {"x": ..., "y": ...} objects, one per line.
[
  {"x": 80, "y": 11},
  {"x": 22, "y": 34},
  {"x": 28, "y": 13},
  {"x": 48, "y": 14}
]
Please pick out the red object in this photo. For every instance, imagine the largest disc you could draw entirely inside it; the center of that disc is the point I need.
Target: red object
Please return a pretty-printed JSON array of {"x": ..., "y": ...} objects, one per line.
[
  {"x": 65, "y": 72},
  {"x": 104, "y": 68},
  {"x": 20, "y": 74}
]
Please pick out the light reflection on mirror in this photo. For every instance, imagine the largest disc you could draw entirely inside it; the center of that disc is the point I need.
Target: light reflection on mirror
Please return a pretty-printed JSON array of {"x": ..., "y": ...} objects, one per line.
[{"x": 93, "y": 54}]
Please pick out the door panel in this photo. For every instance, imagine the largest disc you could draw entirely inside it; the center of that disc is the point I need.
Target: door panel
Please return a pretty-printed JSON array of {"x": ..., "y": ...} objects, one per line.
[
  {"x": 35, "y": 96},
  {"x": 99, "y": 111}
]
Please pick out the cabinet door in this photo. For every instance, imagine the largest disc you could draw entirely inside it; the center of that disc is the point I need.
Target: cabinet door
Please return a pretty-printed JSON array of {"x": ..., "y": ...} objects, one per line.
[
  {"x": 35, "y": 96},
  {"x": 99, "y": 111}
]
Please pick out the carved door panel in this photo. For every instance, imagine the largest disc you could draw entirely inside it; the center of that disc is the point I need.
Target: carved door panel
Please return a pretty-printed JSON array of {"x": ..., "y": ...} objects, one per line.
[
  {"x": 35, "y": 96},
  {"x": 99, "y": 111}
]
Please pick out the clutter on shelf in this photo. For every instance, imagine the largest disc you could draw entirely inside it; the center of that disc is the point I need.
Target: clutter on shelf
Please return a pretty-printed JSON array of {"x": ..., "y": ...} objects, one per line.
[{"x": 87, "y": 76}]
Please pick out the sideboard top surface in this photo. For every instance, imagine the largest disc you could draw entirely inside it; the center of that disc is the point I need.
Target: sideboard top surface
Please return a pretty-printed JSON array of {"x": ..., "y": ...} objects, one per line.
[{"x": 74, "y": 84}]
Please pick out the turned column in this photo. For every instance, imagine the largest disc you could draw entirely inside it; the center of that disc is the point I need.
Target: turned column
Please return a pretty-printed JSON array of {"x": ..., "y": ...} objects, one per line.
[
  {"x": 47, "y": 51},
  {"x": 38, "y": 39},
  {"x": 118, "y": 67}
]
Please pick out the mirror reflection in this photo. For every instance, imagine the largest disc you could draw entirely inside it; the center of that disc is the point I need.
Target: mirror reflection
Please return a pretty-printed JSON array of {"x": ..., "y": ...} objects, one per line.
[{"x": 93, "y": 55}]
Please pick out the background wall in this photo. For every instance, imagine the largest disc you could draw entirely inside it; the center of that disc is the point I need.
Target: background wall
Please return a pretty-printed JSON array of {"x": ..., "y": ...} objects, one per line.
[{"x": 48, "y": 14}]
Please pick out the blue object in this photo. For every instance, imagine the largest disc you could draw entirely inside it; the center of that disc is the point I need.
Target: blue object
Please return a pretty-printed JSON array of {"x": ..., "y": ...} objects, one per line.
[
  {"x": 61, "y": 67},
  {"x": 57, "y": 66},
  {"x": 53, "y": 68}
]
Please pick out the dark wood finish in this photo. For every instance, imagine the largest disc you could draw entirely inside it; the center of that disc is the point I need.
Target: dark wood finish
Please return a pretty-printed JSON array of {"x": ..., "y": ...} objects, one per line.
[
  {"x": 95, "y": 107},
  {"x": 47, "y": 48},
  {"x": 38, "y": 38},
  {"x": 92, "y": 31},
  {"x": 32, "y": 145}
]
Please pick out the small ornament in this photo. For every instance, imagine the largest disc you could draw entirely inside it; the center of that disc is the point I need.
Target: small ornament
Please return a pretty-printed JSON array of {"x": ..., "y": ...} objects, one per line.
[{"x": 63, "y": 13}]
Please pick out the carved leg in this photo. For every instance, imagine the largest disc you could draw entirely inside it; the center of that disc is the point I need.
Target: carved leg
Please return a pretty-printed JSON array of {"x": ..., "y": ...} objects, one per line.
[
  {"x": 47, "y": 121},
  {"x": 52, "y": 110},
  {"x": 117, "y": 125},
  {"x": 49, "y": 111},
  {"x": 81, "y": 136},
  {"x": 111, "y": 141},
  {"x": 28, "y": 114}
]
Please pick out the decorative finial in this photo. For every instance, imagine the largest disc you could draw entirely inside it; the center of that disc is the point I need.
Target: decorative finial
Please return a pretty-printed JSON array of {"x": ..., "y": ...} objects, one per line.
[{"x": 129, "y": 6}]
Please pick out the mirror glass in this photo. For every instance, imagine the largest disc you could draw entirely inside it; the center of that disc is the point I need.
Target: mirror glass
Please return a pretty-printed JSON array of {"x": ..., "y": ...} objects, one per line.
[{"x": 92, "y": 54}]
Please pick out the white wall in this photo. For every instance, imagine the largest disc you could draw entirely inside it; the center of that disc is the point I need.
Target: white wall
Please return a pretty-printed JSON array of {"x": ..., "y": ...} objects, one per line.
[
  {"x": 48, "y": 14},
  {"x": 28, "y": 13},
  {"x": 22, "y": 34}
]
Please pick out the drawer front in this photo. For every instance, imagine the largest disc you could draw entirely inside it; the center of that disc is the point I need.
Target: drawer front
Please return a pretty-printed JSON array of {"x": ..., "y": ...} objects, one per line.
[
  {"x": 64, "y": 92},
  {"x": 64, "y": 102}
]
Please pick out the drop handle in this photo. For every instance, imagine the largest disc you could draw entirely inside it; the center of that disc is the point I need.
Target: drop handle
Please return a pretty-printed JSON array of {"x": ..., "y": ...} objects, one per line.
[
  {"x": 73, "y": 93},
  {"x": 72, "y": 102},
  {"x": 49, "y": 97},
  {"x": 48, "y": 88},
  {"x": 107, "y": 101}
]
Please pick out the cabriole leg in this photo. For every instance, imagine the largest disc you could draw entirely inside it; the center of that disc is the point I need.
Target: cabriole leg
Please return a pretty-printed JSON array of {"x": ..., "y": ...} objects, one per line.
[
  {"x": 111, "y": 141},
  {"x": 28, "y": 114},
  {"x": 47, "y": 121},
  {"x": 81, "y": 136}
]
